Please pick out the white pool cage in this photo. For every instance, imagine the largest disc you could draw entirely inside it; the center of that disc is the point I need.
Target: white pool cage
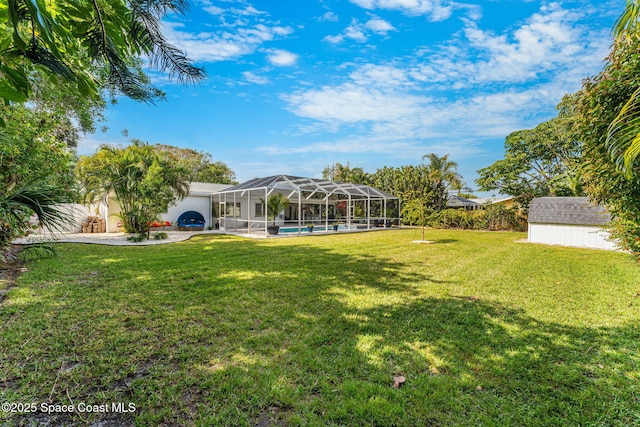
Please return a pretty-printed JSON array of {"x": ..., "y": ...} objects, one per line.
[{"x": 315, "y": 205}]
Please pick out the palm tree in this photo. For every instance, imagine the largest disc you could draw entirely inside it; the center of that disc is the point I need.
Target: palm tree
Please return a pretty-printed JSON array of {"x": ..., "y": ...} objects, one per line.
[
  {"x": 144, "y": 181},
  {"x": 623, "y": 134},
  {"x": 442, "y": 175}
]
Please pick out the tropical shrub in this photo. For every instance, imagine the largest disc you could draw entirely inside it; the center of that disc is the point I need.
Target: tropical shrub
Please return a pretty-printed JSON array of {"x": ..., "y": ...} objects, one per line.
[
  {"x": 415, "y": 212},
  {"x": 137, "y": 238},
  {"x": 493, "y": 218},
  {"x": 499, "y": 217},
  {"x": 452, "y": 218},
  {"x": 276, "y": 203}
]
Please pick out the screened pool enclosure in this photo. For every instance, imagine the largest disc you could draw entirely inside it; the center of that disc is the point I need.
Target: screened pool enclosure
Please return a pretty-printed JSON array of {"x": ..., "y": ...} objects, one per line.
[{"x": 326, "y": 205}]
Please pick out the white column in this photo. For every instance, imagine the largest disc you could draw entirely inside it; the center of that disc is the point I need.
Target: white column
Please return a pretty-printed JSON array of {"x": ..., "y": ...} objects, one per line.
[
  {"x": 249, "y": 212},
  {"x": 326, "y": 214},
  {"x": 384, "y": 211},
  {"x": 349, "y": 213},
  {"x": 225, "y": 211},
  {"x": 299, "y": 211}
]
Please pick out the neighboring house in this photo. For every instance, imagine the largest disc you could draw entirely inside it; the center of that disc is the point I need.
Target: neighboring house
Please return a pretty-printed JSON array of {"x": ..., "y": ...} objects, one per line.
[
  {"x": 199, "y": 199},
  {"x": 569, "y": 221},
  {"x": 508, "y": 202},
  {"x": 457, "y": 202}
]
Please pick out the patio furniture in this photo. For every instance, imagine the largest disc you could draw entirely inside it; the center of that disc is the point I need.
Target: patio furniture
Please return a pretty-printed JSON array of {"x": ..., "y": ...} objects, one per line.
[{"x": 191, "y": 221}]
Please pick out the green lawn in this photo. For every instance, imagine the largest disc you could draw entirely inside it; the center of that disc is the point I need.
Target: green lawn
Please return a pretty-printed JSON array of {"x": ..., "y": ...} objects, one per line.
[{"x": 221, "y": 330}]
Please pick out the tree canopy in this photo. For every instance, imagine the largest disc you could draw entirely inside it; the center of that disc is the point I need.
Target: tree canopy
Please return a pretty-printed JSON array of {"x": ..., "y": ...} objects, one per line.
[
  {"x": 423, "y": 188},
  {"x": 200, "y": 165},
  {"x": 93, "y": 45},
  {"x": 596, "y": 106},
  {"x": 345, "y": 173},
  {"x": 623, "y": 132},
  {"x": 544, "y": 161}
]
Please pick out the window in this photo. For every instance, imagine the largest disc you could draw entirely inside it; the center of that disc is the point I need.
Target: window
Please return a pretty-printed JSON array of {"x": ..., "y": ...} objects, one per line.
[
  {"x": 259, "y": 212},
  {"x": 230, "y": 211}
]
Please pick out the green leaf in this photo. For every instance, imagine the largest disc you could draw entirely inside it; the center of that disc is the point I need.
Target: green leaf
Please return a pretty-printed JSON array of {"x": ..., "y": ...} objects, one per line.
[{"x": 11, "y": 94}]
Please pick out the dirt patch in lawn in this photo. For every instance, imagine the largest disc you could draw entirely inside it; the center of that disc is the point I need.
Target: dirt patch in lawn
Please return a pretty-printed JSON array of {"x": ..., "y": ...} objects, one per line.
[{"x": 10, "y": 270}]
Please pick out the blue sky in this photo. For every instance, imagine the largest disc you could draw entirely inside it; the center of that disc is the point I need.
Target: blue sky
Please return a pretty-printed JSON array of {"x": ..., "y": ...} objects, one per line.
[{"x": 294, "y": 86}]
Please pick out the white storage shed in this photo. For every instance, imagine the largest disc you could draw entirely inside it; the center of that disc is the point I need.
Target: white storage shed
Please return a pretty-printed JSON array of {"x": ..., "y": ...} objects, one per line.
[{"x": 569, "y": 221}]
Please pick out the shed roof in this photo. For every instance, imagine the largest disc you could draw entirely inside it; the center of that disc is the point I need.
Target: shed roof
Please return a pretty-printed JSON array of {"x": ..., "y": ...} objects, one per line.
[
  {"x": 297, "y": 183},
  {"x": 567, "y": 210}
]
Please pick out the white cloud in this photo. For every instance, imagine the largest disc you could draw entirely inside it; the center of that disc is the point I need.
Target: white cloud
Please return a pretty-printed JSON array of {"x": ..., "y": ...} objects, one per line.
[
  {"x": 240, "y": 11},
  {"x": 329, "y": 17},
  {"x": 350, "y": 102},
  {"x": 334, "y": 39},
  {"x": 432, "y": 8},
  {"x": 253, "y": 78},
  {"x": 223, "y": 45},
  {"x": 379, "y": 26},
  {"x": 214, "y": 10},
  {"x": 355, "y": 32},
  {"x": 481, "y": 83},
  {"x": 250, "y": 10},
  {"x": 373, "y": 75},
  {"x": 359, "y": 32},
  {"x": 282, "y": 58},
  {"x": 548, "y": 44}
]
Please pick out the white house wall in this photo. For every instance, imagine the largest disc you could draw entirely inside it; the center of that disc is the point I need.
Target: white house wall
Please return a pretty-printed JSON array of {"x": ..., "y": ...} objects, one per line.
[
  {"x": 247, "y": 208},
  {"x": 110, "y": 213},
  {"x": 75, "y": 214},
  {"x": 198, "y": 203},
  {"x": 582, "y": 236}
]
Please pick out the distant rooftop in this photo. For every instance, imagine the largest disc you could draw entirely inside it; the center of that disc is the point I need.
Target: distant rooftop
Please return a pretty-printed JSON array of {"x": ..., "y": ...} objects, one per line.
[{"x": 460, "y": 202}]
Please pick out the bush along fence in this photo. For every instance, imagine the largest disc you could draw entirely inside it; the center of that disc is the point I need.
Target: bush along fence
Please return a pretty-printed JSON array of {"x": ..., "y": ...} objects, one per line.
[{"x": 493, "y": 218}]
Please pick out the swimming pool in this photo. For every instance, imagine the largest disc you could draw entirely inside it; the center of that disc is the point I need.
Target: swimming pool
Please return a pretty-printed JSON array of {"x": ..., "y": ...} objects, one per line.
[{"x": 306, "y": 229}]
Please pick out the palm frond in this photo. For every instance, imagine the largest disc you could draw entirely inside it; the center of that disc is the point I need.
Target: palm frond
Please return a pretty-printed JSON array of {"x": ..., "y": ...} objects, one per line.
[
  {"x": 623, "y": 135},
  {"x": 41, "y": 200},
  {"x": 39, "y": 55},
  {"x": 627, "y": 20},
  {"x": 163, "y": 55}
]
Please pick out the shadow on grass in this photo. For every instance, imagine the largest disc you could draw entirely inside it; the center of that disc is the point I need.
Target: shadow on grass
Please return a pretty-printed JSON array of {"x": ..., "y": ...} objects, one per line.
[
  {"x": 445, "y": 241},
  {"x": 224, "y": 331}
]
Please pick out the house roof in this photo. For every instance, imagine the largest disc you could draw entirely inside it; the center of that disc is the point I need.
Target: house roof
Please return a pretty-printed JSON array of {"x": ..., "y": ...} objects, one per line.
[
  {"x": 490, "y": 200},
  {"x": 299, "y": 184},
  {"x": 459, "y": 202},
  {"x": 206, "y": 188},
  {"x": 567, "y": 210}
]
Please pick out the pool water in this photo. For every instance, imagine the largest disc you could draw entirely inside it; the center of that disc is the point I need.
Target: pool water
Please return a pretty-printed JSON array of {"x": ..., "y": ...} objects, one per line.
[{"x": 306, "y": 229}]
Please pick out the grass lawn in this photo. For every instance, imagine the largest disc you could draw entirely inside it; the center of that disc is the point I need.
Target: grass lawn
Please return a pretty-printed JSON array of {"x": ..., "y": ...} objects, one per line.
[{"x": 222, "y": 330}]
